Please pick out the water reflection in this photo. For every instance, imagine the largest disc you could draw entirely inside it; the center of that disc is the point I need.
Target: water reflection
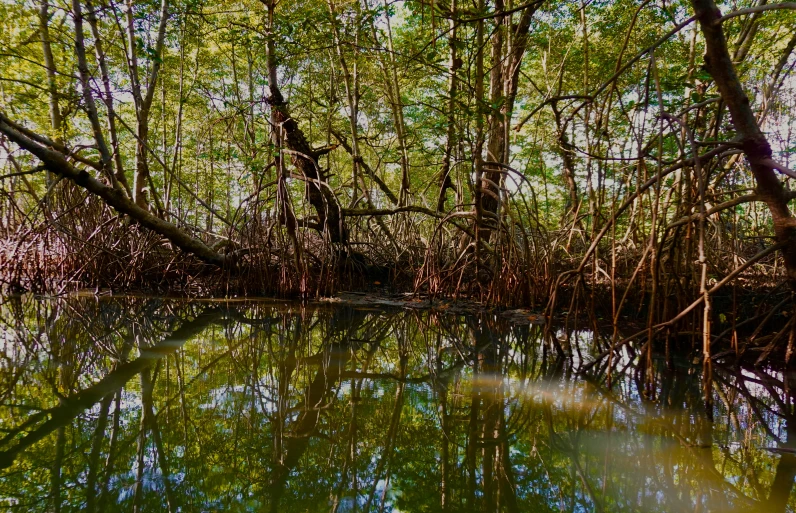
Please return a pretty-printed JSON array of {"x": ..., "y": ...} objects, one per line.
[{"x": 162, "y": 405}]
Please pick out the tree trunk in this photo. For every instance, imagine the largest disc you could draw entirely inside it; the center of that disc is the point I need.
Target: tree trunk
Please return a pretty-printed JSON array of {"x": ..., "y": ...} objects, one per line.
[
  {"x": 57, "y": 163},
  {"x": 351, "y": 80},
  {"x": 49, "y": 62},
  {"x": 755, "y": 146},
  {"x": 143, "y": 104},
  {"x": 504, "y": 80},
  {"x": 88, "y": 96},
  {"x": 106, "y": 84},
  {"x": 454, "y": 64},
  {"x": 320, "y": 195},
  {"x": 567, "y": 158},
  {"x": 397, "y": 109}
]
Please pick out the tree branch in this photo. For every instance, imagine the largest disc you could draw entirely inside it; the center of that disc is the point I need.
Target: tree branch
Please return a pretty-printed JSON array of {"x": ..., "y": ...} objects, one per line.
[
  {"x": 757, "y": 8},
  {"x": 115, "y": 198}
]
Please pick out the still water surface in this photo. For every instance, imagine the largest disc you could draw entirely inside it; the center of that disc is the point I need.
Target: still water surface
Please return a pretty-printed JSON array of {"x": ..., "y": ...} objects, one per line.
[{"x": 142, "y": 404}]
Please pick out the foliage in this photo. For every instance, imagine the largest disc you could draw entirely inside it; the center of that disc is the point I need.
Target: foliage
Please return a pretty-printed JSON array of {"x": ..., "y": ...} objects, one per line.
[{"x": 268, "y": 407}]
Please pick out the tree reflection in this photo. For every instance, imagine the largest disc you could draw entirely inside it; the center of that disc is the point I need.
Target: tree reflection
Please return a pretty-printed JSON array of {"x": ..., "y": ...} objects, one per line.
[{"x": 150, "y": 404}]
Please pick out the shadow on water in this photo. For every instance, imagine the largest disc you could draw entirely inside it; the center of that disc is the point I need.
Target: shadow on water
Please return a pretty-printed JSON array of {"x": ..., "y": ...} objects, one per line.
[{"x": 149, "y": 404}]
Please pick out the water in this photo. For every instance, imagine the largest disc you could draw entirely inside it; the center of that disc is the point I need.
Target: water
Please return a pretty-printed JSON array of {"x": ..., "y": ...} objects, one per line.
[{"x": 155, "y": 405}]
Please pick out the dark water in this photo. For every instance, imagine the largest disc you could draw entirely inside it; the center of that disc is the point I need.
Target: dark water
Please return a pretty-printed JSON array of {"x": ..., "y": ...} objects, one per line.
[{"x": 141, "y": 404}]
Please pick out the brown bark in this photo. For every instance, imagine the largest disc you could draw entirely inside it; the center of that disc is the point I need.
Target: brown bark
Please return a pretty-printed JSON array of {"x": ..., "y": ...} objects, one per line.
[
  {"x": 454, "y": 64},
  {"x": 568, "y": 160},
  {"x": 143, "y": 103},
  {"x": 478, "y": 151},
  {"x": 49, "y": 62},
  {"x": 318, "y": 192},
  {"x": 512, "y": 40},
  {"x": 106, "y": 85},
  {"x": 351, "y": 81},
  {"x": 88, "y": 97},
  {"x": 56, "y": 119},
  {"x": 116, "y": 198},
  {"x": 367, "y": 169},
  {"x": 393, "y": 88},
  {"x": 755, "y": 146}
]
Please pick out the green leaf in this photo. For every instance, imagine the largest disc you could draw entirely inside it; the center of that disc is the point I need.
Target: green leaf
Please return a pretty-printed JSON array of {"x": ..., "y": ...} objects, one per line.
[{"x": 704, "y": 76}]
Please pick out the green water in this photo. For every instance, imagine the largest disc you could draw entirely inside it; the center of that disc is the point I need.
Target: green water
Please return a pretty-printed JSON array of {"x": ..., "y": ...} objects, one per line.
[{"x": 141, "y": 404}]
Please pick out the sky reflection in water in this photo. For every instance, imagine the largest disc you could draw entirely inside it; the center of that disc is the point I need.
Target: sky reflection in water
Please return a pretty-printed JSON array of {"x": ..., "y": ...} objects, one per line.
[{"x": 155, "y": 405}]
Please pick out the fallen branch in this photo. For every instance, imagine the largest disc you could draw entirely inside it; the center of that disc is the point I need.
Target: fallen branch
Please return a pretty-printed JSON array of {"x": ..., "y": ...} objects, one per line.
[{"x": 115, "y": 198}]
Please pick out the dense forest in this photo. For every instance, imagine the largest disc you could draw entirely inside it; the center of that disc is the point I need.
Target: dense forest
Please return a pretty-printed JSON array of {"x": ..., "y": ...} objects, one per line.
[{"x": 615, "y": 158}]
